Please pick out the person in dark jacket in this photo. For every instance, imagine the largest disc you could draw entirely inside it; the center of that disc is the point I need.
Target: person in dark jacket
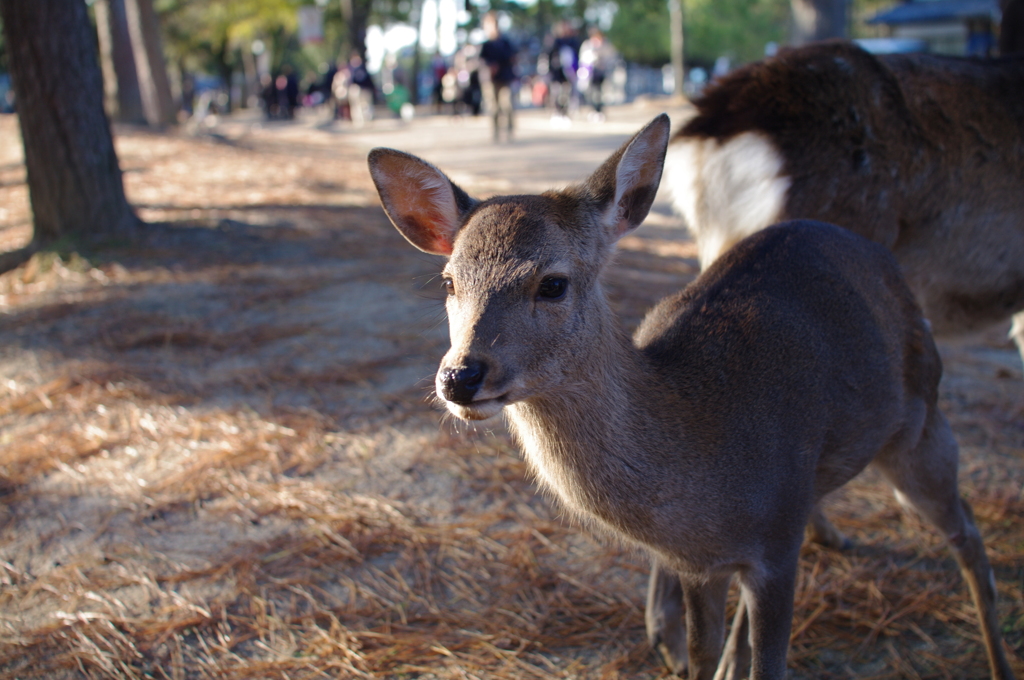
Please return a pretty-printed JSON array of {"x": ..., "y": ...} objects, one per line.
[{"x": 498, "y": 56}]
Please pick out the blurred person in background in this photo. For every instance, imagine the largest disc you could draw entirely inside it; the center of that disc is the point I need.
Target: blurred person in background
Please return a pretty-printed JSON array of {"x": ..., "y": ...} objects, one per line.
[
  {"x": 597, "y": 60},
  {"x": 563, "y": 61},
  {"x": 498, "y": 55},
  {"x": 438, "y": 70},
  {"x": 319, "y": 91},
  {"x": 287, "y": 86},
  {"x": 466, "y": 70},
  {"x": 354, "y": 86},
  {"x": 268, "y": 96}
]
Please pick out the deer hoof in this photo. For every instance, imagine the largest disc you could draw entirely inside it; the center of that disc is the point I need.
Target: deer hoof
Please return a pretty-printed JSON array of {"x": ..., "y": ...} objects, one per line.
[{"x": 673, "y": 656}]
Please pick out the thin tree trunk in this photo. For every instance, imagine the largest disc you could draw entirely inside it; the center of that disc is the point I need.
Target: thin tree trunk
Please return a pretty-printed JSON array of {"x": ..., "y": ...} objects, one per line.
[
  {"x": 251, "y": 82},
  {"x": 155, "y": 86},
  {"x": 227, "y": 73},
  {"x": 1011, "y": 31},
  {"x": 414, "y": 82},
  {"x": 818, "y": 20},
  {"x": 74, "y": 181},
  {"x": 120, "y": 78},
  {"x": 356, "y": 14},
  {"x": 675, "y": 13}
]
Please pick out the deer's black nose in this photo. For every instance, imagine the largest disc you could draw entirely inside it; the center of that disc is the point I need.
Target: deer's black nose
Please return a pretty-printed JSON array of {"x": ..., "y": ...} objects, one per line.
[{"x": 459, "y": 385}]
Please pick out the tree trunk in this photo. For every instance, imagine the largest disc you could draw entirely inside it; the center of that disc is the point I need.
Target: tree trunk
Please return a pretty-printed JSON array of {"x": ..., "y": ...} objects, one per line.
[
  {"x": 818, "y": 20},
  {"x": 1011, "y": 31},
  {"x": 74, "y": 181},
  {"x": 120, "y": 79},
  {"x": 251, "y": 80},
  {"x": 416, "y": 19},
  {"x": 675, "y": 14},
  {"x": 155, "y": 86},
  {"x": 356, "y": 14},
  {"x": 221, "y": 55}
]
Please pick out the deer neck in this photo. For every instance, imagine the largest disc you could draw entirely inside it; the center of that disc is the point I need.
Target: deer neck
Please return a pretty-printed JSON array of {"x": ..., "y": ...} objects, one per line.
[{"x": 597, "y": 442}]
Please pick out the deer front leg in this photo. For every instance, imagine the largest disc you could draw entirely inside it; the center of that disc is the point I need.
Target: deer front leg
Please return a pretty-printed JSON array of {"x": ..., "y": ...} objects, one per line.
[
  {"x": 768, "y": 592},
  {"x": 666, "y": 611},
  {"x": 664, "y": 617},
  {"x": 705, "y": 623}
]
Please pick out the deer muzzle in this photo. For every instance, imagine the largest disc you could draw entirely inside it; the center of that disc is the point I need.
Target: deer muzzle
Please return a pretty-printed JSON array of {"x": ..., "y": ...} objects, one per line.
[{"x": 459, "y": 385}]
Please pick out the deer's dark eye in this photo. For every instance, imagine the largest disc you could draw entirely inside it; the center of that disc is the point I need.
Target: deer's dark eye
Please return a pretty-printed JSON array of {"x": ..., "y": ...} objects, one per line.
[
  {"x": 449, "y": 286},
  {"x": 552, "y": 288}
]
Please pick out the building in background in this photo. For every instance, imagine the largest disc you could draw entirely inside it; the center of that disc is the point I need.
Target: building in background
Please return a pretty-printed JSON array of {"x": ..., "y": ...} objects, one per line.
[{"x": 960, "y": 27}]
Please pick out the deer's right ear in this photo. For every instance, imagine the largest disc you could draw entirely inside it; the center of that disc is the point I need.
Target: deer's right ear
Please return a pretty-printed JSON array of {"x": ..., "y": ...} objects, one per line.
[
  {"x": 423, "y": 204},
  {"x": 626, "y": 183}
]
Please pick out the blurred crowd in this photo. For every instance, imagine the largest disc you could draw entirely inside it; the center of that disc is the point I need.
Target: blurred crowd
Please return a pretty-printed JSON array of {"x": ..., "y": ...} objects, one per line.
[{"x": 569, "y": 71}]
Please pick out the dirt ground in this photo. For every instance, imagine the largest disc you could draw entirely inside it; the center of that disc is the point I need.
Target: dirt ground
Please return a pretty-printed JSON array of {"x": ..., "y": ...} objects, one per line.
[{"x": 219, "y": 458}]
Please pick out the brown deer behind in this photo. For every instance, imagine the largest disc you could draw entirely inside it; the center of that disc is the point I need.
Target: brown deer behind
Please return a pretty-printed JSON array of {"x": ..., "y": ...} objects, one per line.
[
  {"x": 792, "y": 363},
  {"x": 923, "y": 154}
]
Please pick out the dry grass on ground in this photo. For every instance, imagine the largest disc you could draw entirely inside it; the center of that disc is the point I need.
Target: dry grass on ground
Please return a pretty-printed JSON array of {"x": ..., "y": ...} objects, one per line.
[{"x": 217, "y": 460}]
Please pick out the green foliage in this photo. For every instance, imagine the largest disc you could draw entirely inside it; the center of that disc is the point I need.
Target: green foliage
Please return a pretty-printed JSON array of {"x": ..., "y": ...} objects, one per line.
[
  {"x": 640, "y": 31},
  {"x": 739, "y": 29},
  {"x": 712, "y": 28},
  {"x": 204, "y": 35},
  {"x": 210, "y": 35}
]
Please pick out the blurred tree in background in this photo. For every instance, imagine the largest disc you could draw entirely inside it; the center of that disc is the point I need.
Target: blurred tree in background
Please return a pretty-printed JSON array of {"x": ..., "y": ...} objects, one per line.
[
  {"x": 640, "y": 31},
  {"x": 122, "y": 94},
  {"x": 4, "y": 68},
  {"x": 818, "y": 20},
  {"x": 738, "y": 29},
  {"x": 136, "y": 86},
  {"x": 217, "y": 36}
]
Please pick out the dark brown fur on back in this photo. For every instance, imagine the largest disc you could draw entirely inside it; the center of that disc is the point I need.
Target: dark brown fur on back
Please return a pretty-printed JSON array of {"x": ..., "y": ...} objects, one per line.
[{"x": 923, "y": 154}]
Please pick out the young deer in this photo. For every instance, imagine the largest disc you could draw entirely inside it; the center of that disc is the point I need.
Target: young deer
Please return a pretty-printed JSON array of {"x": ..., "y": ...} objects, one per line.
[
  {"x": 922, "y": 154},
  {"x": 791, "y": 364}
]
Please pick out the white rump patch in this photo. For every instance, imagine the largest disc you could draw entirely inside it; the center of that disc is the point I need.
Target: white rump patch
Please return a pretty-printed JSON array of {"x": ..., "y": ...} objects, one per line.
[{"x": 726, "y": 192}]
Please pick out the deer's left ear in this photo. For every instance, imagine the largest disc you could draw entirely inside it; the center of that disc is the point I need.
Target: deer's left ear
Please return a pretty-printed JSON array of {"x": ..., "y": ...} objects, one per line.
[{"x": 626, "y": 183}]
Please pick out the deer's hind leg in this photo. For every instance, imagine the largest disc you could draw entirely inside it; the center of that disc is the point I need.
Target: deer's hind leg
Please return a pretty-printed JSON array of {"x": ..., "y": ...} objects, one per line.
[
  {"x": 821, "y": 531},
  {"x": 1017, "y": 332},
  {"x": 705, "y": 624},
  {"x": 925, "y": 478},
  {"x": 664, "y": 617}
]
